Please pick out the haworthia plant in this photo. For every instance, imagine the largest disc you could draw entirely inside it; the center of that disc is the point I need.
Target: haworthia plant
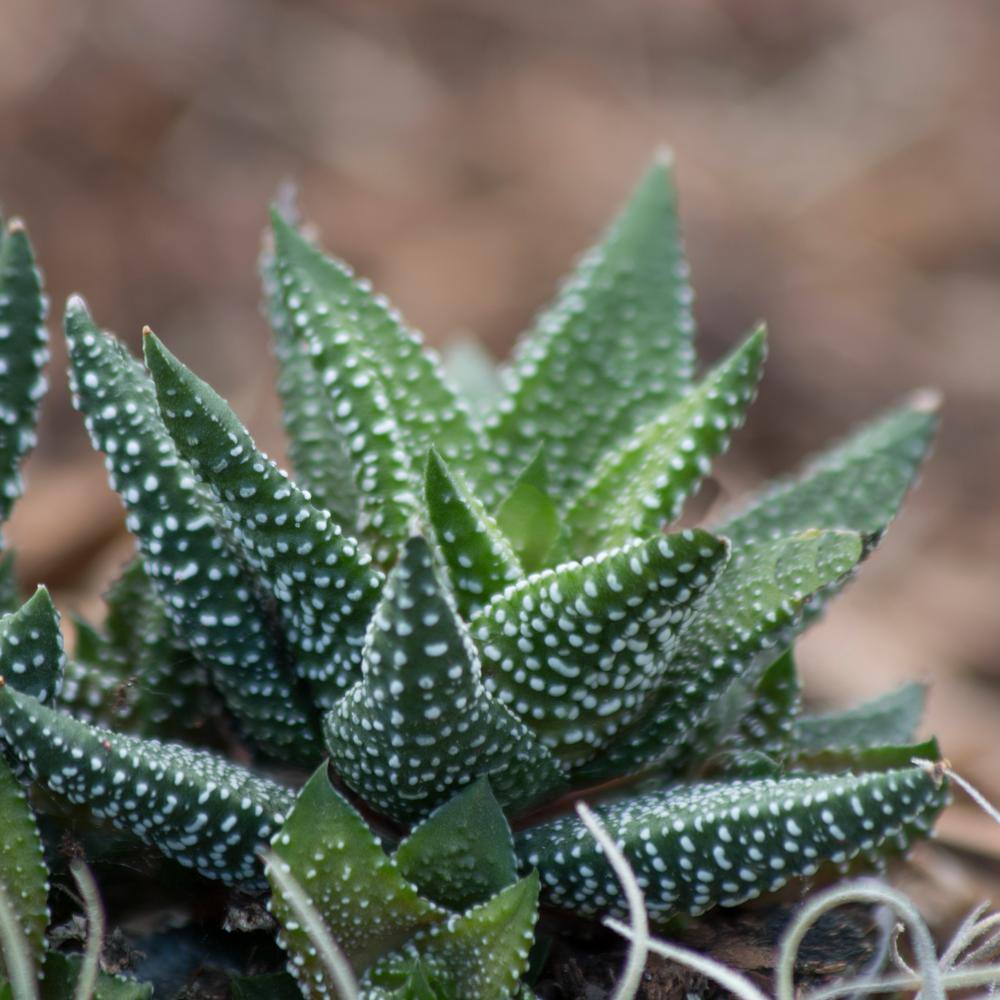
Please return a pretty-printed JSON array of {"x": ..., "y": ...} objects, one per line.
[{"x": 471, "y": 607}]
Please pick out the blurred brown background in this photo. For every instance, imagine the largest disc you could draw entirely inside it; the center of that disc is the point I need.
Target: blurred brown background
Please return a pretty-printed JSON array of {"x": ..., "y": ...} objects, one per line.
[{"x": 838, "y": 164}]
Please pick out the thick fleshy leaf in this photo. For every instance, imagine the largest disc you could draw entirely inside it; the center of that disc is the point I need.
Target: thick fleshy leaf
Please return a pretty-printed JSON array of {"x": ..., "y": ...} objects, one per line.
[
  {"x": 477, "y": 555},
  {"x": 858, "y": 485},
  {"x": 756, "y": 606},
  {"x": 134, "y": 676},
  {"x": 195, "y": 807},
  {"x": 62, "y": 972},
  {"x": 23, "y": 353},
  {"x": 267, "y": 986},
  {"x": 364, "y": 900},
  {"x": 23, "y": 875},
  {"x": 463, "y": 852},
  {"x": 642, "y": 483},
  {"x": 180, "y": 532},
  {"x": 577, "y": 650},
  {"x": 387, "y": 394},
  {"x": 766, "y": 714},
  {"x": 529, "y": 517},
  {"x": 325, "y": 588},
  {"x": 892, "y": 718},
  {"x": 611, "y": 352},
  {"x": 483, "y": 953},
  {"x": 318, "y": 452},
  {"x": 421, "y": 725},
  {"x": 10, "y": 599},
  {"x": 31, "y": 650},
  {"x": 693, "y": 847}
]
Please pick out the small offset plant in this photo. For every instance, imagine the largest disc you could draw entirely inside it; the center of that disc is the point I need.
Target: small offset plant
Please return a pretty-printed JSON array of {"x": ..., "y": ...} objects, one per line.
[{"x": 462, "y": 612}]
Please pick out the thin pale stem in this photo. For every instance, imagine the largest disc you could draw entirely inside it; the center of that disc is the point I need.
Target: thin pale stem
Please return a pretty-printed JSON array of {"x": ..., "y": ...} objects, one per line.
[
  {"x": 638, "y": 950},
  {"x": 86, "y": 983}
]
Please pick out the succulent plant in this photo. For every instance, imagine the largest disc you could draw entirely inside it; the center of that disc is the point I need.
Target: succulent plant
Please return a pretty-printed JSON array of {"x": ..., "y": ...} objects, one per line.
[{"x": 477, "y": 612}]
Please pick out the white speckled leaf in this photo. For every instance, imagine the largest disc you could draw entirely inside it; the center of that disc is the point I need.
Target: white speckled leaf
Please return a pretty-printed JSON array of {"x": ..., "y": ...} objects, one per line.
[
  {"x": 23, "y": 875},
  {"x": 421, "y": 725},
  {"x": 643, "y": 483},
  {"x": 324, "y": 587},
  {"x": 756, "y": 606},
  {"x": 365, "y": 902},
  {"x": 609, "y": 354},
  {"x": 316, "y": 449},
  {"x": 697, "y": 846},
  {"x": 23, "y": 353},
  {"x": 857, "y": 485},
  {"x": 577, "y": 650},
  {"x": 477, "y": 555},
  {"x": 481, "y": 953},
  {"x": 386, "y": 393},
  {"x": 180, "y": 532},
  {"x": 31, "y": 650},
  {"x": 463, "y": 852}
]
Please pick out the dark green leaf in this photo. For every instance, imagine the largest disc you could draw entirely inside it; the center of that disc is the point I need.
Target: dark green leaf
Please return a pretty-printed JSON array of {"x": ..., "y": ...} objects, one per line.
[
  {"x": 62, "y": 972},
  {"x": 693, "y": 847},
  {"x": 421, "y": 725},
  {"x": 271, "y": 986}
]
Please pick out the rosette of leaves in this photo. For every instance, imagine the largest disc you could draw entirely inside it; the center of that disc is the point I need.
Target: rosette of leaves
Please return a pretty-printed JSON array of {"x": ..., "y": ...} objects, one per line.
[{"x": 444, "y": 595}]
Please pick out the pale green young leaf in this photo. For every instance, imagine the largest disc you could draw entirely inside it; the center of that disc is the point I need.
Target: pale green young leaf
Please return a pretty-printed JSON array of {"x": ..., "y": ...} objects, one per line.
[
  {"x": 481, "y": 953},
  {"x": 421, "y": 725},
  {"x": 325, "y": 588},
  {"x": 477, "y": 555},
  {"x": 529, "y": 517},
  {"x": 463, "y": 852},
  {"x": 23, "y": 874},
  {"x": 365, "y": 901},
  {"x": 642, "y": 483},
  {"x": 609, "y": 354}
]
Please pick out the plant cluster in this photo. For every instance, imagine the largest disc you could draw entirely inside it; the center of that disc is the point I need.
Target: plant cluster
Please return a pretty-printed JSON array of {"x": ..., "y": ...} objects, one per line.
[{"x": 464, "y": 611}]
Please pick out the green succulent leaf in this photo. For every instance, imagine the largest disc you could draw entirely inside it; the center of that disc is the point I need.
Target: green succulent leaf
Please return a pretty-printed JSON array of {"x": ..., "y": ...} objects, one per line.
[
  {"x": 135, "y": 676},
  {"x": 612, "y": 351},
  {"x": 643, "y": 483},
  {"x": 318, "y": 452},
  {"x": 180, "y": 532},
  {"x": 578, "y": 650},
  {"x": 857, "y": 485},
  {"x": 478, "y": 557},
  {"x": 481, "y": 953},
  {"x": 63, "y": 971},
  {"x": 23, "y": 353},
  {"x": 420, "y": 725},
  {"x": 693, "y": 847},
  {"x": 463, "y": 852},
  {"x": 757, "y": 605},
  {"x": 365, "y": 901},
  {"x": 268, "y": 986},
  {"x": 31, "y": 650},
  {"x": 860, "y": 759},
  {"x": 195, "y": 807},
  {"x": 10, "y": 598},
  {"x": 892, "y": 718},
  {"x": 529, "y": 516},
  {"x": 767, "y": 714},
  {"x": 24, "y": 886},
  {"x": 471, "y": 369},
  {"x": 389, "y": 399},
  {"x": 325, "y": 588}
]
